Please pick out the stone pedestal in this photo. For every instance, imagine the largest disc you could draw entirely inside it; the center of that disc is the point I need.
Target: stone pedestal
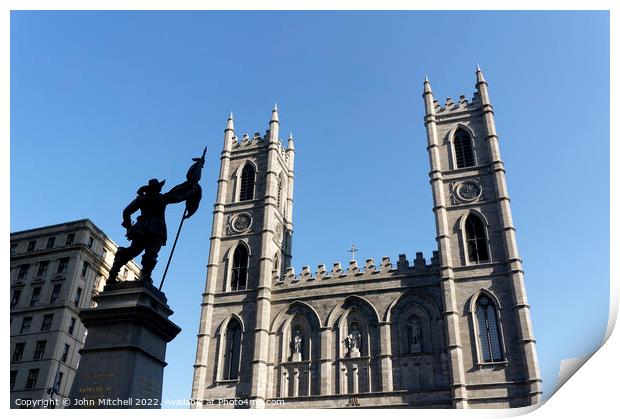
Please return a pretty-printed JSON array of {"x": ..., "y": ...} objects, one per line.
[{"x": 122, "y": 362}]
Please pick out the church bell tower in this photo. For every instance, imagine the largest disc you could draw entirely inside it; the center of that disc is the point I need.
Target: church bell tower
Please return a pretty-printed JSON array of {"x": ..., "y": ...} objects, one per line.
[
  {"x": 480, "y": 268},
  {"x": 250, "y": 249}
]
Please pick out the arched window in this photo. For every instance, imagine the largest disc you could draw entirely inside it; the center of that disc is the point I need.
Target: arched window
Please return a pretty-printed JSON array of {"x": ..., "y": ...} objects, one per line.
[
  {"x": 232, "y": 350},
  {"x": 489, "y": 336},
  {"x": 276, "y": 265},
  {"x": 246, "y": 189},
  {"x": 280, "y": 185},
  {"x": 463, "y": 149},
  {"x": 475, "y": 237},
  {"x": 239, "y": 273}
]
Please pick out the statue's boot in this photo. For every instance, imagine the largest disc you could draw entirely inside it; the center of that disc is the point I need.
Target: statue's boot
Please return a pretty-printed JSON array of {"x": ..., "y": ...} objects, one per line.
[{"x": 148, "y": 264}]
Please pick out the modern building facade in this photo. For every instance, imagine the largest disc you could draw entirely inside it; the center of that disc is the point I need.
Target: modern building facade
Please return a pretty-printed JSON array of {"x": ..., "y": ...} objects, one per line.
[
  {"x": 450, "y": 332},
  {"x": 55, "y": 271}
]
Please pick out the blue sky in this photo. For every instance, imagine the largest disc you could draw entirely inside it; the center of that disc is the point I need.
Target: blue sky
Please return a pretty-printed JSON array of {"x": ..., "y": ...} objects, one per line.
[{"x": 103, "y": 101}]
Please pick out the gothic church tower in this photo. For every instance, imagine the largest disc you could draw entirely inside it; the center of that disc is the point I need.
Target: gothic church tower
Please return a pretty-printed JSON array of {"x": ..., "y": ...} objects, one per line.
[
  {"x": 250, "y": 249},
  {"x": 480, "y": 269}
]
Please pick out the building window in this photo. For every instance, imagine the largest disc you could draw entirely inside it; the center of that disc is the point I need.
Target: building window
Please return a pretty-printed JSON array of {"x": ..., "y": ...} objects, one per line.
[
  {"x": 239, "y": 269},
  {"x": 26, "y": 322},
  {"x": 39, "y": 350},
  {"x": 47, "y": 322},
  {"x": 232, "y": 351},
  {"x": 246, "y": 191},
  {"x": 57, "y": 382},
  {"x": 34, "y": 299},
  {"x": 55, "y": 293},
  {"x": 78, "y": 296},
  {"x": 91, "y": 241},
  {"x": 476, "y": 241},
  {"x": 463, "y": 148},
  {"x": 280, "y": 186},
  {"x": 13, "y": 248},
  {"x": 13, "y": 378},
  {"x": 15, "y": 298},
  {"x": 276, "y": 265},
  {"x": 23, "y": 271},
  {"x": 42, "y": 268},
  {"x": 71, "y": 325},
  {"x": 85, "y": 267},
  {"x": 489, "y": 337},
  {"x": 19, "y": 352},
  {"x": 63, "y": 264},
  {"x": 50, "y": 242},
  {"x": 70, "y": 239},
  {"x": 33, "y": 376},
  {"x": 31, "y": 245},
  {"x": 104, "y": 253},
  {"x": 124, "y": 274},
  {"x": 65, "y": 353}
]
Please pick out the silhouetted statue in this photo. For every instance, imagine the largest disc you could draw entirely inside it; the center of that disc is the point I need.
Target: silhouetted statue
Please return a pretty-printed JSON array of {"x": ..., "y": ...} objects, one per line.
[{"x": 148, "y": 234}]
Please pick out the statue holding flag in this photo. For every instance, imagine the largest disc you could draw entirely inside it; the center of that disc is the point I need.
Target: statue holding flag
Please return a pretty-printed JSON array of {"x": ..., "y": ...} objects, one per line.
[{"x": 148, "y": 234}]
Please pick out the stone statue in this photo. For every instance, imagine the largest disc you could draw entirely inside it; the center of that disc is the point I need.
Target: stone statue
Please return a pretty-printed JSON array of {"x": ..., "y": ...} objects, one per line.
[
  {"x": 353, "y": 341},
  {"x": 148, "y": 234},
  {"x": 414, "y": 336},
  {"x": 297, "y": 341}
]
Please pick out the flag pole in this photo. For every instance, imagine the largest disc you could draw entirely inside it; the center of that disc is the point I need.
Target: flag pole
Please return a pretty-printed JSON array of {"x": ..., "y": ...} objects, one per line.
[{"x": 172, "y": 251}]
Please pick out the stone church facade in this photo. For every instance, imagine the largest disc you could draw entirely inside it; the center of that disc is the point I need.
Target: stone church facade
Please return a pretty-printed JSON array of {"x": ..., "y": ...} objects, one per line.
[{"x": 452, "y": 332}]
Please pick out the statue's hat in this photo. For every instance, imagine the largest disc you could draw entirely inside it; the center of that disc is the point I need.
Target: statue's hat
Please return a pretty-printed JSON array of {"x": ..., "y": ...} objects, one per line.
[{"x": 153, "y": 186}]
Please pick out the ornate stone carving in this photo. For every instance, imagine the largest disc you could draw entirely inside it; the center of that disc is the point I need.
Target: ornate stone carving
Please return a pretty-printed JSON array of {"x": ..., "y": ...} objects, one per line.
[
  {"x": 353, "y": 341},
  {"x": 468, "y": 191},
  {"x": 296, "y": 345},
  {"x": 279, "y": 233},
  {"x": 240, "y": 223}
]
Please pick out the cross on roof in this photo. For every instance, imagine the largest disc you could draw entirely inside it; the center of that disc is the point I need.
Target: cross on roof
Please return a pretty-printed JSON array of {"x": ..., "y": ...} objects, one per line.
[{"x": 352, "y": 251}]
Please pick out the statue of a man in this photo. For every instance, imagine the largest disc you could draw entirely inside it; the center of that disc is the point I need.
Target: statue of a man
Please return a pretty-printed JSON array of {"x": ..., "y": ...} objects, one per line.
[
  {"x": 354, "y": 340},
  {"x": 414, "y": 336},
  {"x": 297, "y": 342},
  {"x": 148, "y": 234}
]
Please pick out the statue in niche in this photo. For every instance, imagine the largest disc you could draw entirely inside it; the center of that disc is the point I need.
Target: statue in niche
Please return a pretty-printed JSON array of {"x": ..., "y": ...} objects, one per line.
[
  {"x": 353, "y": 341},
  {"x": 296, "y": 345},
  {"x": 414, "y": 332}
]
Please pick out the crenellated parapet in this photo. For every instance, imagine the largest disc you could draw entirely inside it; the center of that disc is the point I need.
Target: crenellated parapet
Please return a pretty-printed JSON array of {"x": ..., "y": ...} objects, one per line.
[
  {"x": 257, "y": 140},
  {"x": 461, "y": 105},
  {"x": 370, "y": 270}
]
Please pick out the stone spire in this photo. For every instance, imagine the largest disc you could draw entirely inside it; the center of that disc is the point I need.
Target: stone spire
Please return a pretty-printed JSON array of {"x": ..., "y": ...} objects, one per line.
[
  {"x": 291, "y": 142},
  {"x": 428, "y": 97},
  {"x": 274, "y": 124},
  {"x": 229, "y": 133},
  {"x": 427, "y": 85},
  {"x": 230, "y": 123},
  {"x": 274, "y": 114},
  {"x": 479, "y": 75}
]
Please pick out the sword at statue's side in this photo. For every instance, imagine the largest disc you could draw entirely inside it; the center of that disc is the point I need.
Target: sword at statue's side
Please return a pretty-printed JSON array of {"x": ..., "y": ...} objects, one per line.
[{"x": 190, "y": 192}]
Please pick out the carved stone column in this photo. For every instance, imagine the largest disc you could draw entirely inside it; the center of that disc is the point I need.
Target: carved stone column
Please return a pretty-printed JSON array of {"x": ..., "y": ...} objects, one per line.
[{"x": 385, "y": 355}]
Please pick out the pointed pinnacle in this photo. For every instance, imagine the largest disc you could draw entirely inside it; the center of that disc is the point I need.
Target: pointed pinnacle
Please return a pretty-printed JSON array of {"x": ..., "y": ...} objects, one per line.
[
  {"x": 230, "y": 124},
  {"x": 290, "y": 136},
  {"x": 274, "y": 114},
  {"x": 479, "y": 75},
  {"x": 427, "y": 85},
  {"x": 231, "y": 115}
]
